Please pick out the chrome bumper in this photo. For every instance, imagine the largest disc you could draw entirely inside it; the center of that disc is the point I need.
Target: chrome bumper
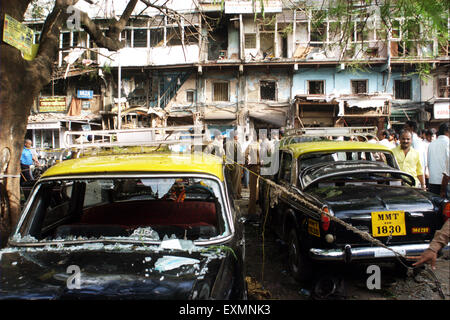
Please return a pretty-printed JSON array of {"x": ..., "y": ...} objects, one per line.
[{"x": 367, "y": 253}]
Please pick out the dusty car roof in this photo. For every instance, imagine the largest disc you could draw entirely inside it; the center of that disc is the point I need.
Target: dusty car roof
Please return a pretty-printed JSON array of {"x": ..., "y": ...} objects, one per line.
[
  {"x": 160, "y": 162},
  {"x": 316, "y": 146}
]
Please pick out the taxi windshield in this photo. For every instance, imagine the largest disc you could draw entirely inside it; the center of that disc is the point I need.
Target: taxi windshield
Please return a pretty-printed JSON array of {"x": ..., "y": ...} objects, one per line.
[{"x": 126, "y": 208}]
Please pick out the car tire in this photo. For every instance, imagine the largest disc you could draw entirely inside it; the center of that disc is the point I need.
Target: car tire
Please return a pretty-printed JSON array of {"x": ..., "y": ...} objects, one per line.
[{"x": 299, "y": 264}]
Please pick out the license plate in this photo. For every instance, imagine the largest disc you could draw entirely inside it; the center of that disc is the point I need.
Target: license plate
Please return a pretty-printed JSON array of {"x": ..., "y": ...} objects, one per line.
[
  {"x": 388, "y": 223},
  {"x": 313, "y": 227}
]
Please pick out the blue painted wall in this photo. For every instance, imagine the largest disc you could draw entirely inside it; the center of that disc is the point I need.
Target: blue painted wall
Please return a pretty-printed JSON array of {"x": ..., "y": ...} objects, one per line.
[{"x": 339, "y": 80}]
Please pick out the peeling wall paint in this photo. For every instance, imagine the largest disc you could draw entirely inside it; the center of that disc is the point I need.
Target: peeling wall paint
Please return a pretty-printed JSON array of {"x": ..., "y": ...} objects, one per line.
[
  {"x": 283, "y": 89},
  {"x": 221, "y": 76},
  {"x": 339, "y": 82}
]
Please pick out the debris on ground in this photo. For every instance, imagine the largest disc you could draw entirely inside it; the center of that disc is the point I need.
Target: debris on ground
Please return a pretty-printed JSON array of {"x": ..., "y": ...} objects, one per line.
[{"x": 256, "y": 290}]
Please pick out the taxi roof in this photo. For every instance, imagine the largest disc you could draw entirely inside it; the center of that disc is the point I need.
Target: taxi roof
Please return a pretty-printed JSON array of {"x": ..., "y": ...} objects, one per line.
[
  {"x": 156, "y": 162},
  {"x": 301, "y": 148}
]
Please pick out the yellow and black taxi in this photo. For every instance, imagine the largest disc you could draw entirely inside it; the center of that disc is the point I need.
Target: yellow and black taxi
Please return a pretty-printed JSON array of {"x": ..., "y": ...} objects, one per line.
[
  {"x": 360, "y": 184},
  {"x": 157, "y": 225}
]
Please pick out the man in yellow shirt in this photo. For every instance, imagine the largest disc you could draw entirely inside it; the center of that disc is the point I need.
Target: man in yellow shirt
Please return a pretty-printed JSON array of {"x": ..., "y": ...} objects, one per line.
[{"x": 409, "y": 159}]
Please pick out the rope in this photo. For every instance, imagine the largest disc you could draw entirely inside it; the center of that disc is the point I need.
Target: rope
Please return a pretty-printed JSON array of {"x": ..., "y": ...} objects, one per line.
[
  {"x": 263, "y": 233},
  {"x": 9, "y": 176},
  {"x": 363, "y": 234}
]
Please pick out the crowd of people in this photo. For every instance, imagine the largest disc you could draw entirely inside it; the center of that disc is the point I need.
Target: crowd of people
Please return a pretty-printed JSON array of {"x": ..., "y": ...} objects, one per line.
[
  {"x": 249, "y": 154},
  {"x": 422, "y": 153}
]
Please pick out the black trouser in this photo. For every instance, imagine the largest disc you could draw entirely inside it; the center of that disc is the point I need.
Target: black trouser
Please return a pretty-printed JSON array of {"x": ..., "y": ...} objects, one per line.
[
  {"x": 436, "y": 189},
  {"x": 26, "y": 175}
]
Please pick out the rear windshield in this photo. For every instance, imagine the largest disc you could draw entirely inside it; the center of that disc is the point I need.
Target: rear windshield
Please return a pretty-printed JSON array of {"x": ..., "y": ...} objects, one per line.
[
  {"x": 314, "y": 158},
  {"x": 153, "y": 209}
]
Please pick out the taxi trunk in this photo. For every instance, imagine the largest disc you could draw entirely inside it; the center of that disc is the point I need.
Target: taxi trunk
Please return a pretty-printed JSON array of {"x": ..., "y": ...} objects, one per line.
[{"x": 393, "y": 215}]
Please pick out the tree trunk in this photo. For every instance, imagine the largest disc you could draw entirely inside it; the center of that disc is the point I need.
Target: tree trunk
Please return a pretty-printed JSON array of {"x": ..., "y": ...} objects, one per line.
[
  {"x": 22, "y": 80},
  {"x": 16, "y": 98}
]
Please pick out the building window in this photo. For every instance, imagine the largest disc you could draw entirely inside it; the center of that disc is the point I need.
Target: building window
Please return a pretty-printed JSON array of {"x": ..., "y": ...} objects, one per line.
[
  {"x": 359, "y": 86},
  {"x": 402, "y": 89},
  {"x": 267, "y": 90},
  {"x": 220, "y": 91},
  {"x": 126, "y": 37},
  {"x": 250, "y": 40},
  {"x": 156, "y": 37},
  {"x": 318, "y": 35},
  {"x": 444, "y": 87},
  {"x": 316, "y": 87},
  {"x": 173, "y": 36},
  {"x": 190, "y": 96},
  {"x": 140, "y": 38}
]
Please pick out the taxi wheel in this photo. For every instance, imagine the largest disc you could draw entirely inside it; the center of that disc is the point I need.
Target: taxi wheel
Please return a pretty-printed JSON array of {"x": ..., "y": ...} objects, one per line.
[{"x": 299, "y": 264}]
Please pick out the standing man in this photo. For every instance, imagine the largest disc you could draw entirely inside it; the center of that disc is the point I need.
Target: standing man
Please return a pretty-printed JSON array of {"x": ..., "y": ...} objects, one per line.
[
  {"x": 439, "y": 163},
  {"x": 27, "y": 158},
  {"x": 233, "y": 156},
  {"x": 387, "y": 139},
  {"x": 216, "y": 146},
  {"x": 409, "y": 159},
  {"x": 426, "y": 143},
  {"x": 246, "y": 176},
  {"x": 252, "y": 157},
  {"x": 416, "y": 141}
]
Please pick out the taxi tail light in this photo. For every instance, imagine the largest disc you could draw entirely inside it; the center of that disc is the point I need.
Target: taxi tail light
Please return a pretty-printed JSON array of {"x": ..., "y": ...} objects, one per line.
[
  {"x": 446, "y": 211},
  {"x": 325, "y": 220}
]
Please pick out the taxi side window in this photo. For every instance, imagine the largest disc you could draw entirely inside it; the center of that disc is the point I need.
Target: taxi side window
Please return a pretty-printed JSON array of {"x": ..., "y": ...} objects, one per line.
[{"x": 285, "y": 167}]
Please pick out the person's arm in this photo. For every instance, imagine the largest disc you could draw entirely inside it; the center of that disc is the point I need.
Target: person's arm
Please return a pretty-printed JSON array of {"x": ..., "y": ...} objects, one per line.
[
  {"x": 444, "y": 183},
  {"x": 35, "y": 159},
  {"x": 422, "y": 181},
  {"x": 419, "y": 170},
  {"x": 440, "y": 240}
]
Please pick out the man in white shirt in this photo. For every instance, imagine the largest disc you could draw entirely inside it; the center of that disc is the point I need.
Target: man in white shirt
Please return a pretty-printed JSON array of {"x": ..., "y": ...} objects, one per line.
[
  {"x": 386, "y": 141},
  {"x": 426, "y": 142},
  {"x": 216, "y": 146},
  {"x": 439, "y": 162}
]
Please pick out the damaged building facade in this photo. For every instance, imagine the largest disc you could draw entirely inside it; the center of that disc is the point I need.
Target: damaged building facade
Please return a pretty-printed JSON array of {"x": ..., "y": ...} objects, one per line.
[{"x": 235, "y": 64}]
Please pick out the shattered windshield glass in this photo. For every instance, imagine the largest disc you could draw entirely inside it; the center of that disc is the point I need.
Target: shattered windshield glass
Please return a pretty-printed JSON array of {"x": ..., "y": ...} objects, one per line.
[{"x": 130, "y": 209}]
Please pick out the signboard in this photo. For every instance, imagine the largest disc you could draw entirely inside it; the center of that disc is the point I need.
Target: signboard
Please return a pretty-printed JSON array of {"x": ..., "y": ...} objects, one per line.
[
  {"x": 243, "y": 7},
  {"x": 52, "y": 104},
  {"x": 85, "y": 94},
  {"x": 44, "y": 125},
  {"x": 18, "y": 35},
  {"x": 441, "y": 110}
]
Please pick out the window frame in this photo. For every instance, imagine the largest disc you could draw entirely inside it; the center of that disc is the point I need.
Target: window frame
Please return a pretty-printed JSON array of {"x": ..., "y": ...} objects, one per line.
[
  {"x": 308, "y": 82},
  {"x": 353, "y": 81},
  {"x": 248, "y": 41},
  {"x": 213, "y": 91},
  {"x": 397, "y": 94},
  {"x": 443, "y": 86},
  {"x": 275, "y": 87},
  {"x": 188, "y": 93}
]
